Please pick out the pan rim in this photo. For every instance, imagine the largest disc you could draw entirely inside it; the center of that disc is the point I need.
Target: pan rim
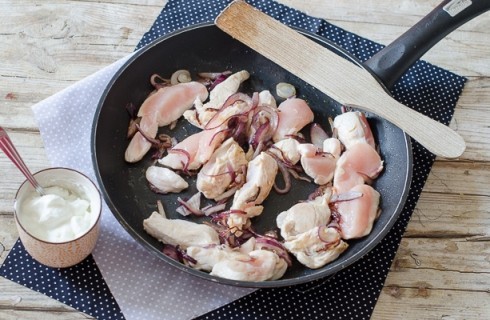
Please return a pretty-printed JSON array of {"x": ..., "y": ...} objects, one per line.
[{"x": 204, "y": 275}]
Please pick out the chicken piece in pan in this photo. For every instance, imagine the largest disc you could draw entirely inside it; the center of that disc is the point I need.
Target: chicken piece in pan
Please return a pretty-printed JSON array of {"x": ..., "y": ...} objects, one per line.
[
  {"x": 161, "y": 108},
  {"x": 226, "y": 168},
  {"x": 261, "y": 173}
]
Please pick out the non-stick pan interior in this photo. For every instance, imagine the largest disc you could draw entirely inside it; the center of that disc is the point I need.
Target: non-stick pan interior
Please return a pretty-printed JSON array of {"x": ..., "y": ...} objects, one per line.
[{"x": 205, "y": 48}]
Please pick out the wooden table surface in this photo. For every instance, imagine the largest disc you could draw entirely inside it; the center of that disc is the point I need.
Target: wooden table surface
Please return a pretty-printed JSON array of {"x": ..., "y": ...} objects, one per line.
[{"x": 442, "y": 268}]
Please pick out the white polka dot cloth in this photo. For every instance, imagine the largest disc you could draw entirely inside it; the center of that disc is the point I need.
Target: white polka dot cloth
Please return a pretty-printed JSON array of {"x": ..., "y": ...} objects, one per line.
[{"x": 145, "y": 287}]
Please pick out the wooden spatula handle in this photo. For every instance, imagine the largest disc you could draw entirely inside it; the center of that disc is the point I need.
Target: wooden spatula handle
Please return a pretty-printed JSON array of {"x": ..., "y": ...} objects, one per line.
[{"x": 337, "y": 77}]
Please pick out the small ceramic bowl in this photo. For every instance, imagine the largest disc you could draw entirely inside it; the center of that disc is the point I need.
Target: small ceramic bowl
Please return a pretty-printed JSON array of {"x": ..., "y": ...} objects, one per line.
[{"x": 68, "y": 251}]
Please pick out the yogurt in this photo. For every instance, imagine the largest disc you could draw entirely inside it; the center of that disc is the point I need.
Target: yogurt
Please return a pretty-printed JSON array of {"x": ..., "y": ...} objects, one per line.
[{"x": 60, "y": 215}]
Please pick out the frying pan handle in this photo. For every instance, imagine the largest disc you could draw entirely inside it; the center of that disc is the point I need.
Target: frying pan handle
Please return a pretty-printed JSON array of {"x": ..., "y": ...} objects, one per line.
[{"x": 391, "y": 63}]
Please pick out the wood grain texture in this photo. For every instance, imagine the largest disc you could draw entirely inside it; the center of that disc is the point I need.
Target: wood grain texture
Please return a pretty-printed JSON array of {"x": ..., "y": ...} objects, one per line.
[
  {"x": 336, "y": 77},
  {"x": 46, "y": 46}
]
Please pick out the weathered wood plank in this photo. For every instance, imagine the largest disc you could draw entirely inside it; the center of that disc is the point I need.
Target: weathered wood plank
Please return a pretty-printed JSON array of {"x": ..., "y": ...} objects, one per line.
[
  {"x": 458, "y": 255},
  {"x": 423, "y": 303},
  {"x": 383, "y": 23},
  {"x": 451, "y": 177},
  {"x": 23, "y": 303},
  {"x": 47, "y": 39},
  {"x": 450, "y": 215},
  {"x": 471, "y": 119},
  {"x": 438, "y": 279}
]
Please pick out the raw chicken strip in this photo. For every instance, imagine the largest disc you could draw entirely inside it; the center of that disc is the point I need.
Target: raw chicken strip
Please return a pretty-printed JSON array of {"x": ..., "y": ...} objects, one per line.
[
  {"x": 139, "y": 145},
  {"x": 208, "y": 256},
  {"x": 202, "y": 145},
  {"x": 304, "y": 216},
  {"x": 286, "y": 150},
  {"x": 316, "y": 164},
  {"x": 226, "y": 166},
  {"x": 169, "y": 103},
  {"x": 162, "y": 108},
  {"x": 258, "y": 265},
  {"x": 178, "y": 160},
  {"x": 217, "y": 97},
  {"x": 267, "y": 99},
  {"x": 357, "y": 165},
  {"x": 357, "y": 216},
  {"x": 294, "y": 114},
  {"x": 210, "y": 140},
  {"x": 333, "y": 147},
  {"x": 180, "y": 232},
  {"x": 314, "y": 252},
  {"x": 261, "y": 173},
  {"x": 352, "y": 128},
  {"x": 165, "y": 180},
  {"x": 222, "y": 91}
]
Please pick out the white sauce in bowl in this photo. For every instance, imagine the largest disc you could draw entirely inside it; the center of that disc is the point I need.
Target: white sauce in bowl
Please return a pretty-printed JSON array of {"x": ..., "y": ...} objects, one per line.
[{"x": 59, "y": 216}]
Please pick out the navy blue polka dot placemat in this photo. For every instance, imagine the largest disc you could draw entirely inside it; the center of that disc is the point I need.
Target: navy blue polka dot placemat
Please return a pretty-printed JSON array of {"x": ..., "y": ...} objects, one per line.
[
  {"x": 81, "y": 286},
  {"x": 349, "y": 294}
]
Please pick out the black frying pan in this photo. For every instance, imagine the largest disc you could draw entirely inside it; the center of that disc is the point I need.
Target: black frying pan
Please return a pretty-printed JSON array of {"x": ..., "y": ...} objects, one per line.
[{"x": 203, "y": 48}]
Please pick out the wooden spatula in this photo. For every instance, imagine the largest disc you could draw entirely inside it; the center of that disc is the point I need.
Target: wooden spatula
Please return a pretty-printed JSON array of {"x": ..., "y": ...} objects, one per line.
[{"x": 338, "y": 78}]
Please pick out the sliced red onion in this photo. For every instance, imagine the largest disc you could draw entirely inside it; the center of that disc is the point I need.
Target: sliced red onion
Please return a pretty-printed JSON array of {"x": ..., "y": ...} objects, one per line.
[
  {"x": 180, "y": 76},
  {"x": 177, "y": 254},
  {"x": 218, "y": 80},
  {"x": 229, "y": 102},
  {"x": 132, "y": 127},
  {"x": 346, "y": 196},
  {"x": 318, "y": 135},
  {"x": 259, "y": 149},
  {"x": 271, "y": 234},
  {"x": 191, "y": 206},
  {"x": 183, "y": 211},
  {"x": 335, "y": 225},
  {"x": 151, "y": 140},
  {"x": 286, "y": 177},
  {"x": 171, "y": 251},
  {"x": 213, "y": 75},
  {"x": 317, "y": 193},
  {"x": 285, "y": 90},
  {"x": 158, "y": 82},
  {"x": 211, "y": 209},
  {"x": 186, "y": 154},
  {"x": 297, "y": 176},
  {"x": 214, "y": 78},
  {"x": 323, "y": 236},
  {"x": 283, "y": 159},
  {"x": 243, "y": 238},
  {"x": 225, "y": 214},
  {"x": 274, "y": 246},
  {"x": 229, "y": 171},
  {"x": 239, "y": 127},
  {"x": 298, "y": 137},
  {"x": 264, "y": 124},
  {"x": 261, "y": 134},
  {"x": 161, "y": 211}
]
